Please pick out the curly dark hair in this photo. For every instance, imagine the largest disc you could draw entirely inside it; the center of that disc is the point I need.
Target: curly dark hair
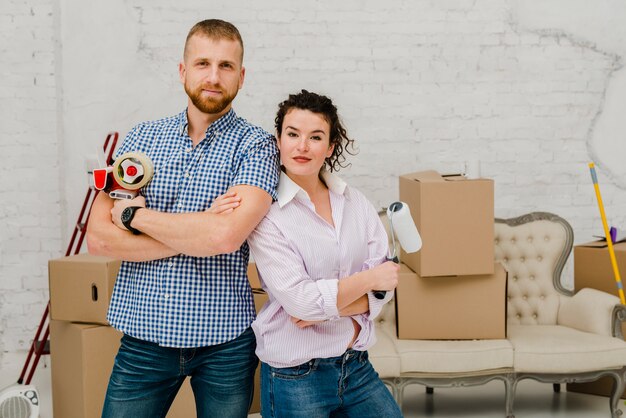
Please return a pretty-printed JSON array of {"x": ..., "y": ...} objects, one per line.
[{"x": 324, "y": 106}]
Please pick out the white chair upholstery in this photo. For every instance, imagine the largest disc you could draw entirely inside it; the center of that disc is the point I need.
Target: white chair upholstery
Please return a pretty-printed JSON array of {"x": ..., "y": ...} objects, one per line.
[
  {"x": 384, "y": 354},
  {"x": 553, "y": 336},
  {"x": 531, "y": 253}
]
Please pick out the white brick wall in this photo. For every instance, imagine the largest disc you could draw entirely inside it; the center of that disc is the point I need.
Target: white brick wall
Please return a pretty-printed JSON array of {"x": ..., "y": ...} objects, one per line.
[
  {"x": 420, "y": 85},
  {"x": 30, "y": 212}
]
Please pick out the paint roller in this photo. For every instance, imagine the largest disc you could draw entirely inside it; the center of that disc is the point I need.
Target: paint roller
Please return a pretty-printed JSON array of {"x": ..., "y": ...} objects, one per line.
[{"x": 404, "y": 228}]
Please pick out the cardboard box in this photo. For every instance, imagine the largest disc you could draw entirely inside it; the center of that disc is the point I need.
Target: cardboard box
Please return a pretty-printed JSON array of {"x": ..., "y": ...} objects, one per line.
[
  {"x": 454, "y": 217},
  {"x": 602, "y": 387},
  {"x": 260, "y": 297},
  {"x": 82, "y": 357},
  {"x": 593, "y": 269},
  {"x": 592, "y": 266},
  {"x": 451, "y": 308},
  {"x": 81, "y": 287},
  {"x": 253, "y": 276}
]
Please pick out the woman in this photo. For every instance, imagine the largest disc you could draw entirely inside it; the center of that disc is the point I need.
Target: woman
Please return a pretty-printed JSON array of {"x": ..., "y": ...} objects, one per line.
[{"x": 320, "y": 252}]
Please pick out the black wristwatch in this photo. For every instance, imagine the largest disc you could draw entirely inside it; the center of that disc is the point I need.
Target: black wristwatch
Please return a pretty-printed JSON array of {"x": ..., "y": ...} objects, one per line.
[{"x": 127, "y": 217}]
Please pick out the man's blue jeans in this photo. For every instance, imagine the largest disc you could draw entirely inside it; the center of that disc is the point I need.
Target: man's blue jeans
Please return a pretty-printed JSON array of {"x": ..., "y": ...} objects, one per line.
[
  {"x": 344, "y": 386},
  {"x": 146, "y": 378}
]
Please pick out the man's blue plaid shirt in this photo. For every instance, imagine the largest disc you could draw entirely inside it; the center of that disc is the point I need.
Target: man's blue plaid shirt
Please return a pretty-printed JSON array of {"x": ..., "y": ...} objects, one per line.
[{"x": 185, "y": 301}]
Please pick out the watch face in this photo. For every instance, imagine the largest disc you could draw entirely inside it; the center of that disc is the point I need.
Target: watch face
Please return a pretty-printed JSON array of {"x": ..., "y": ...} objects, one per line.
[{"x": 126, "y": 214}]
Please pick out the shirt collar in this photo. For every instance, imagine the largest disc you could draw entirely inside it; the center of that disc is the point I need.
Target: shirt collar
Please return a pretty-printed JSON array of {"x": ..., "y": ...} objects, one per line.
[
  {"x": 288, "y": 189},
  {"x": 222, "y": 124}
]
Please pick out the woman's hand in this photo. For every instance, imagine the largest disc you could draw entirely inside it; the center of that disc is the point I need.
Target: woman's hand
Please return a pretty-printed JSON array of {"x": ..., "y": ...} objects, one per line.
[
  {"x": 225, "y": 203},
  {"x": 384, "y": 276},
  {"x": 301, "y": 323}
]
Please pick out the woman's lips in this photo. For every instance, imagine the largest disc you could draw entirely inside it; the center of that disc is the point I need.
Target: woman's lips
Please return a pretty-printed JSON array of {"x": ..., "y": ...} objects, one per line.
[{"x": 301, "y": 159}]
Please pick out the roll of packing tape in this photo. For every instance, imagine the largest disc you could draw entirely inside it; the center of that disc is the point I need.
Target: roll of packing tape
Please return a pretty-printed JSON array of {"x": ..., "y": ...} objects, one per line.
[
  {"x": 133, "y": 170},
  {"x": 403, "y": 226}
]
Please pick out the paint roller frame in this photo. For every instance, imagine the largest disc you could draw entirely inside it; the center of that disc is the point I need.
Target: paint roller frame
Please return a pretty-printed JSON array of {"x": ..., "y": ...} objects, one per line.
[{"x": 393, "y": 208}]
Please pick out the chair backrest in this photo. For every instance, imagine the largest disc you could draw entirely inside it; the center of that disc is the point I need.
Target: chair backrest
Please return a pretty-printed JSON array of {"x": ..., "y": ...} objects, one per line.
[{"x": 533, "y": 248}]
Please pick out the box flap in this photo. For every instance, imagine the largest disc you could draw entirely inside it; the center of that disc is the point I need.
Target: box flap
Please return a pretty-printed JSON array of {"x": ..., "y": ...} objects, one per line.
[
  {"x": 424, "y": 176},
  {"x": 620, "y": 246},
  {"x": 454, "y": 177},
  {"x": 594, "y": 244},
  {"x": 85, "y": 258},
  {"x": 432, "y": 176}
]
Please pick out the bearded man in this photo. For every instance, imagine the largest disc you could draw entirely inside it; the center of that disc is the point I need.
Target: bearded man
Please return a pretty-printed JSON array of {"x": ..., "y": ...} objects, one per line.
[{"x": 182, "y": 299}]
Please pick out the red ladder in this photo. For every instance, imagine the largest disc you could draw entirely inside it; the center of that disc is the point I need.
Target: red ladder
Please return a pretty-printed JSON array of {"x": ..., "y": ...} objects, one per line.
[{"x": 41, "y": 344}]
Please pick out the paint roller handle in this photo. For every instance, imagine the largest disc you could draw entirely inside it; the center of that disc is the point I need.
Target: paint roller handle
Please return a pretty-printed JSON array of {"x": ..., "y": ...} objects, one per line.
[{"x": 380, "y": 294}]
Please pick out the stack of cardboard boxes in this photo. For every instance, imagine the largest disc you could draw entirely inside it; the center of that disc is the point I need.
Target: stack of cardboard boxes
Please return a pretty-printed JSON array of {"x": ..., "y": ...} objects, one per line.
[
  {"x": 593, "y": 269},
  {"x": 83, "y": 345},
  {"x": 451, "y": 288}
]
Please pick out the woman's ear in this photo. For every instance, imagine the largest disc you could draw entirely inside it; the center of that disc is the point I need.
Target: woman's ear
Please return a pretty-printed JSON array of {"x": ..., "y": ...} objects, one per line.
[{"x": 331, "y": 148}]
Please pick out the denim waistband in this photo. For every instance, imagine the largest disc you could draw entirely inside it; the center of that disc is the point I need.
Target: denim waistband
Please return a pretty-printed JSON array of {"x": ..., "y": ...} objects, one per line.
[{"x": 348, "y": 356}]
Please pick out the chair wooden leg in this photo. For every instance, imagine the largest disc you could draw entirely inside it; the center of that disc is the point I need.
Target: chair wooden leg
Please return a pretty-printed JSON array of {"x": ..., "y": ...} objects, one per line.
[
  {"x": 430, "y": 390},
  {"x": 556, "y": 387},
  {"x": 510, "y": 385}
]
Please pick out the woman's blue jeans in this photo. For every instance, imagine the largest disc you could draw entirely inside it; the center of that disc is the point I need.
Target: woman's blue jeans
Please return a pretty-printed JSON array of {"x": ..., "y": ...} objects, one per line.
[
  {"x": 344, "y": 386},
  {"x": 146, "y": 378}
]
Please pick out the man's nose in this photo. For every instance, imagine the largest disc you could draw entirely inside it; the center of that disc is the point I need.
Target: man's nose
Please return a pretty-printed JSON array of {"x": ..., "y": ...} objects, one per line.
[{"x": 212, "y": 75}]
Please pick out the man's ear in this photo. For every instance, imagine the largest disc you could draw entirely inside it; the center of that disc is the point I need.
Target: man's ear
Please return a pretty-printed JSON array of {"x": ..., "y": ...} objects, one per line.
[
  {"x": 242, "y": 77},
  {"x": 182, "y": 72}
]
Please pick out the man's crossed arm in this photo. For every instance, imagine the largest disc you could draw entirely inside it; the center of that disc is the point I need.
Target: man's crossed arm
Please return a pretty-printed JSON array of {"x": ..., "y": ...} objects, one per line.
[{"x": 163, "y": 235}]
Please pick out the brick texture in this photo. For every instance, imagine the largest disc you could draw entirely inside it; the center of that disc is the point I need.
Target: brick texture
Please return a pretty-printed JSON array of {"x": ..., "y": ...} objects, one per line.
[{"x": 420, "y": 85}]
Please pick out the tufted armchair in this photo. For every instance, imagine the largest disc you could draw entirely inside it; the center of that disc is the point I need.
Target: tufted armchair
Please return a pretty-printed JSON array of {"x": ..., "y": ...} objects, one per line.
[{"x": 553, "y": 335}]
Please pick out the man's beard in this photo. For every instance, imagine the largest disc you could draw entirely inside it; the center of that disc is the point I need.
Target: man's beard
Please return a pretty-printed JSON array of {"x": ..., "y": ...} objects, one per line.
[{"x": 208, "y": 104}]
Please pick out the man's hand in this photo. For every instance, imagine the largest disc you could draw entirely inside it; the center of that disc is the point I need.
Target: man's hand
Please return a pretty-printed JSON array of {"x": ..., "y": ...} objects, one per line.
[
  {"x": 104, "y": 238},
  {"x": 120, "y": 204},
  {"x": 225, "y": 203},
  {"x": 203, "y": 234}
]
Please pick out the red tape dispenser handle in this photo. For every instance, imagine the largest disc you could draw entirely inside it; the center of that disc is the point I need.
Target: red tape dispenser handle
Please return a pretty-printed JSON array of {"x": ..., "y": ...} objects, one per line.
[{"x": 129, "y": 173}]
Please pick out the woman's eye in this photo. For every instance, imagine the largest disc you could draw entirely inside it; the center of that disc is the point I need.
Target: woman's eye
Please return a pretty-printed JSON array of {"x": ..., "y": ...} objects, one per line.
[
  {"x": 292, "y": 134},
  {"x": 316, "y": 138}
]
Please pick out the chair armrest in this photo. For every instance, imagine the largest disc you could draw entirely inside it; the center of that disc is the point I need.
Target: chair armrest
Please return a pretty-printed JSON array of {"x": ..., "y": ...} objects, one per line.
[{"x": 589, "y": 310}]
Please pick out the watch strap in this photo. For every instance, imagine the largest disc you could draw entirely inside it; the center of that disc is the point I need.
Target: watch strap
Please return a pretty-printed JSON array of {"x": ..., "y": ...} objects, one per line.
[{"x": 127, "y": 217}]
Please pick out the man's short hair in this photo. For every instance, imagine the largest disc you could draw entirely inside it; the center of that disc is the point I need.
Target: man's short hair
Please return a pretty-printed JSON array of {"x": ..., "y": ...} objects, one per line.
[{"x": 215, "y": 29}]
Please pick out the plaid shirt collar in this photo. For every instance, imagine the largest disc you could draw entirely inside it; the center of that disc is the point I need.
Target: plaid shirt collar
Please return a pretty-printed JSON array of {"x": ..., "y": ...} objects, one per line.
[{"x": 222, "y": 124}]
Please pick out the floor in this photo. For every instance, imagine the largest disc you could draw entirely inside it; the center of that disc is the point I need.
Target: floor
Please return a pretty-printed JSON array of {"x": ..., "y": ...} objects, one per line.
[{"x": 533, "y": 399}]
